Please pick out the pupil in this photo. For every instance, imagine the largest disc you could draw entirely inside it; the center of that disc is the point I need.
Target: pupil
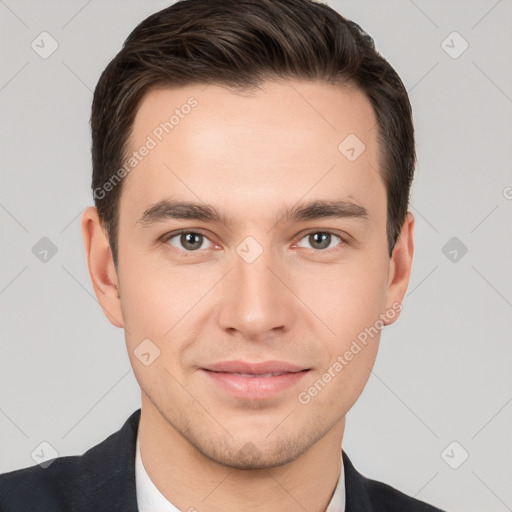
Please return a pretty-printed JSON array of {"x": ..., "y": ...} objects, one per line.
[
  {"x": 322, "y": 237},
  {"x": 189, "y": 240}
]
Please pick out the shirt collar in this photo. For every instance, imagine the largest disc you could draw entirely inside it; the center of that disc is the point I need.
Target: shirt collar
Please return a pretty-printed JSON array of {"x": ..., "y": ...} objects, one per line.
[{"x": 150, "y": 499}]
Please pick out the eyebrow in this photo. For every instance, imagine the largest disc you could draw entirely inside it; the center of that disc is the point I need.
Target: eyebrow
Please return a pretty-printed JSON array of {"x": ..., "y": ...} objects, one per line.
[{"x": 320, "y": 209}]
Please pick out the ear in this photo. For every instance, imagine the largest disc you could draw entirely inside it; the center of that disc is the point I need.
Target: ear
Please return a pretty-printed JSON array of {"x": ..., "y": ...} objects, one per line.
[
  {"x": 400, "y": 268},
  {"x": 101, "y": 266}
]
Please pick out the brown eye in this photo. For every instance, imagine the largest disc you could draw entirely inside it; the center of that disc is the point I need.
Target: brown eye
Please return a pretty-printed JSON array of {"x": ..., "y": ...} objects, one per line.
[
  {"x": 321, "y": 240},
  {"x": 187, "y": 240}
]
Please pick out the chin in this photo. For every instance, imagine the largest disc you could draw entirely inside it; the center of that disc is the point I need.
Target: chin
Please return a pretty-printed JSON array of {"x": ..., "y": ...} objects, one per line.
[{"x": 255, "y": 453}]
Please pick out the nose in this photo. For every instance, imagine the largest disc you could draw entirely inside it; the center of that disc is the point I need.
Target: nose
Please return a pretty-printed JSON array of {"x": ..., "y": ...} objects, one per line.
[{"x": 257, "y": 302}]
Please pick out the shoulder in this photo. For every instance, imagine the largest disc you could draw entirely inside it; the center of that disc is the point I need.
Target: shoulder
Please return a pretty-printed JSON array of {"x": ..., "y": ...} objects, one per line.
[
  {"x": 77, "y": 482},
  {"x": 386, "y": 498},
  {"x": 365, "y": 494},
  {"x": 50, "y": 487}
]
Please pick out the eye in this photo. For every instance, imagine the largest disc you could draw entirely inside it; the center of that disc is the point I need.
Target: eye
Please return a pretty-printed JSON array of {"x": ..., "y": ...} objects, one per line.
[
  {"x": 189, "y": 241},
  {"x": 192, "y": 241},
  {"x": 321, "y": 240}
]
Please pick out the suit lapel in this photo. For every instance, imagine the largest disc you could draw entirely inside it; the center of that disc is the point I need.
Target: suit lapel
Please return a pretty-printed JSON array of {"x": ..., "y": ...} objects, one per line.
[
  {"x": 356, "y": 492},
  {"x": 107, "y": 483}
]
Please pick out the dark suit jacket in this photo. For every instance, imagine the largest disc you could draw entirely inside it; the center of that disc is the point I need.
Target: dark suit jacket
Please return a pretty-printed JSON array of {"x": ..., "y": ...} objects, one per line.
[{"x": 103, "y": 480}]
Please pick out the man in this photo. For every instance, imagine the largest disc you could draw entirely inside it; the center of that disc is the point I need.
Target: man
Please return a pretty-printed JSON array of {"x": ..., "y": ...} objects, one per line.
[{"x": 252, "y": 162}]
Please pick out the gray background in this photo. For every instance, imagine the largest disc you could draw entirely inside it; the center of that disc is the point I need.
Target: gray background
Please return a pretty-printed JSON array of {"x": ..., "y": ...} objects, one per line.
[{"x": 443, "y": 371}]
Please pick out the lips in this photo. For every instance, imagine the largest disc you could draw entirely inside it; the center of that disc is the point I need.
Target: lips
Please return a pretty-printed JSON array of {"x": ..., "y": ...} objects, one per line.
[
  {"x": 254, "y": 381},
  {"x": 260, "y": 369},
  {"x": 255, "y": 374}
]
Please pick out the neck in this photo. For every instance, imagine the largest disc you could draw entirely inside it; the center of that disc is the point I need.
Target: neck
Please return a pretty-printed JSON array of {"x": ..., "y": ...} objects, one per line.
[{"x": 192, "y": 482}]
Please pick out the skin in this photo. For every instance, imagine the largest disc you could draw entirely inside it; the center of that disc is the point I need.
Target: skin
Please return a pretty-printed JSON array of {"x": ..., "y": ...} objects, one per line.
[{"x": 250, "y": 155}]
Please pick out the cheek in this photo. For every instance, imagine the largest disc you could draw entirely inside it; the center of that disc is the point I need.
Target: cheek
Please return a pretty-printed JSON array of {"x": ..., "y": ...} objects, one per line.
[
  {"x": 147, "y": 306},
  {"x": 331, "y": 391},
  {"x": 347, "y": 298},
  {"x": 161, "y": 304},
  {"x": 153, "y": 310},
  {"x": 155, "y": 298}
]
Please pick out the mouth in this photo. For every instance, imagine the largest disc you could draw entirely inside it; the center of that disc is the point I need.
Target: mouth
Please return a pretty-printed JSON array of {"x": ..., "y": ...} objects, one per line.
[
  {"x": 252, "y": 375},
  {"x": 254, "y": 381}
]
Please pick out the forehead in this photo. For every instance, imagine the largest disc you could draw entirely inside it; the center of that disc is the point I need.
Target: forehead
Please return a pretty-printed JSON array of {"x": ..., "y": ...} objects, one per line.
[{"x": 277, "y": 144}]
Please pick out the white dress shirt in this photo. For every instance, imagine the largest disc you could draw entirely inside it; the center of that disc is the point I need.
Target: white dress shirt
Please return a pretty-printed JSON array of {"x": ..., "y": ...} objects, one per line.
[{"x": 150, "y": 499}]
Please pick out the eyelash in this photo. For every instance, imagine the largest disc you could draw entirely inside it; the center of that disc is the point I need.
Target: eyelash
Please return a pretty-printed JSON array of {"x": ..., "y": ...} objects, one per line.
[{"x": 174, "y": 234}]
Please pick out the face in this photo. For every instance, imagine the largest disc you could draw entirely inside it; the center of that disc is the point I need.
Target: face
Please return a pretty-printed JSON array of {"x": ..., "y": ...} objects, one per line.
[{"x": 254, "y": 298}]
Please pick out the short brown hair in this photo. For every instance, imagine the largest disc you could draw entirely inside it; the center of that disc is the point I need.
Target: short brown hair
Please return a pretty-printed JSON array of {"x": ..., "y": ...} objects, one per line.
[{"x": 240, "y": 43}]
